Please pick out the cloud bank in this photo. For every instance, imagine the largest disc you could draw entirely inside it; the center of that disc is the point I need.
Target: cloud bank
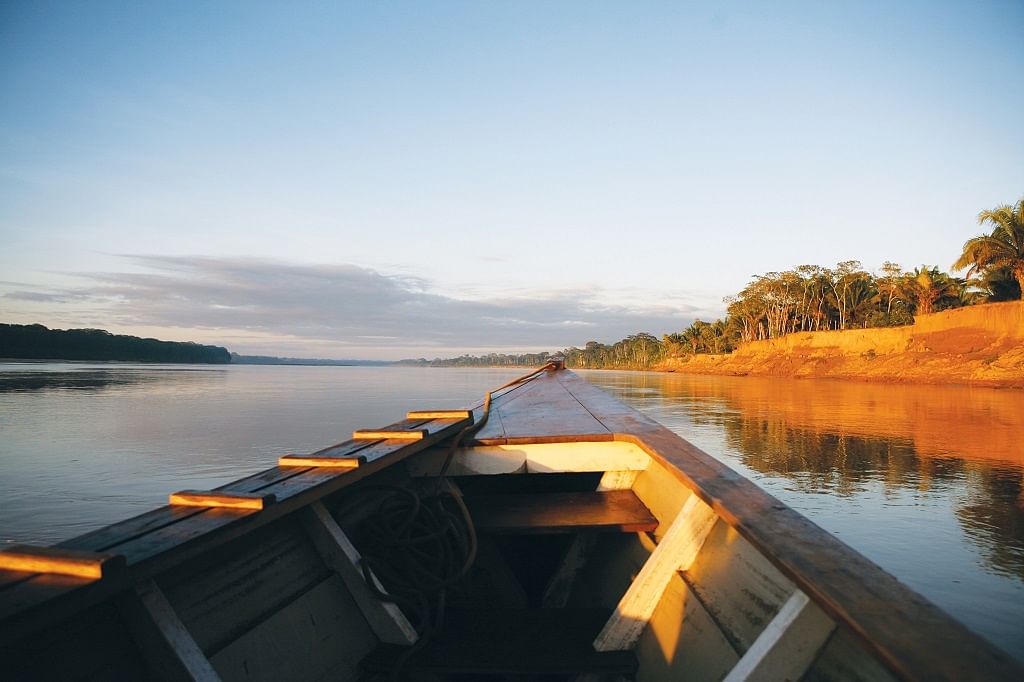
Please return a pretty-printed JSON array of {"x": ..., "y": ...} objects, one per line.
[{"x": 348, "y": 309}]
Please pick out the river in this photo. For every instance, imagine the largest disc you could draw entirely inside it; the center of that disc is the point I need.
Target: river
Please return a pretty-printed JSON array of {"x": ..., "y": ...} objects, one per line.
[{"x": 926, "y": 481}]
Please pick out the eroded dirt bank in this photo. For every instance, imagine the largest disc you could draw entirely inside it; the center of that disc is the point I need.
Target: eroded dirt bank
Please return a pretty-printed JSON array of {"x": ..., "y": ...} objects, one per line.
[{"x": 980, "y": 345}]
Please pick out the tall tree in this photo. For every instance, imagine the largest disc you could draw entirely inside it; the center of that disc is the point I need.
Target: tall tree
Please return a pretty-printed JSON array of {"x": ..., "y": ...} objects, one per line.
[
  {"x": 1002, "y": 248},
  {"x": 889, "y": 283},
  {"x": 928, "y": 288}
]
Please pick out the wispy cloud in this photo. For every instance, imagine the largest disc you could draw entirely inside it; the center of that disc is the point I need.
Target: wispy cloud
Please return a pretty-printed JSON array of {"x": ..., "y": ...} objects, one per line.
[{"x": 351, "y": 307}]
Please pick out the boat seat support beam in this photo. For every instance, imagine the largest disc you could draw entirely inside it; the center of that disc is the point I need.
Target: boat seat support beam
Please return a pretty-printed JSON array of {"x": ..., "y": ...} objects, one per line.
[
  {"x": 676, "y": 552},
  {"x": 385, "y": 618},
  {"x": 170, "y": 650},
  {"x": 788, "y": 645}
]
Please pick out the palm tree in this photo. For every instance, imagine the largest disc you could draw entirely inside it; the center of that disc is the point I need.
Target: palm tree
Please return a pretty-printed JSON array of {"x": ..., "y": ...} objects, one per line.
[
  {"x": 928, "y": 287},
  {"x": 1003, "y": 248}
]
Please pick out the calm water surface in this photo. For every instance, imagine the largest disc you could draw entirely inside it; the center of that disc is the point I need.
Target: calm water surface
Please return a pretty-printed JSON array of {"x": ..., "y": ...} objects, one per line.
[{"x": 925, "y": 481}]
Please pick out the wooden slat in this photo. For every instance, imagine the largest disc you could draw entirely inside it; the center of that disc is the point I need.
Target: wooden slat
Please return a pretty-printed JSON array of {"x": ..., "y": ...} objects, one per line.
[
  {"x": 380, "y": 434},
  {"x": 326, "y": 462},
  {"x": 616, "y": 510},
  {"x": 60, "y": 561},
  {"x": 676, "y": 551},
  {"x": 788, "y": 646},
  {"x": 222, "y": 499},
  {"x": 512, "y": 642},
  {"x": 439, "y": 414},
  {"x": 884, "y": 615},
  {"x": 385, "y": 618},
  {"x": 172, "y": 652}
]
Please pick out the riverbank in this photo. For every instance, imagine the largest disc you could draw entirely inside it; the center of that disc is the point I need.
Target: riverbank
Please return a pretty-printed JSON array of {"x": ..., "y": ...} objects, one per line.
[{"x": 978, "y": 345}]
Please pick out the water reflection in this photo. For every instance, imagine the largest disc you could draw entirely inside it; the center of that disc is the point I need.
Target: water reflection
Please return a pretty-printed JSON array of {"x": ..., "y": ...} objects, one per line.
[
  {"x": 994, "y": 517},
  {"x": 20, "y": 380},
  {"x": 928, "y": 481},
  {"x": 835, "y": 437}
]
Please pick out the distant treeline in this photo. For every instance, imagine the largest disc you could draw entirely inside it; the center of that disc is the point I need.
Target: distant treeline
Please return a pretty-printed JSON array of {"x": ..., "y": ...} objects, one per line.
[
  {"x": 237, "y": 359},
  {"x": 634, "y": 352},
  {"x": 36, "y": 342},
  {"x": 489, "y": 360},
  {"x": 816, "y": 298}
]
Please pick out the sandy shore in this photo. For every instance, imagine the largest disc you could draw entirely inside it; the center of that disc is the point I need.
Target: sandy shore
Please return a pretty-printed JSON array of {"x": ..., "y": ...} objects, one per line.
[{"x": 980, "y": 345}]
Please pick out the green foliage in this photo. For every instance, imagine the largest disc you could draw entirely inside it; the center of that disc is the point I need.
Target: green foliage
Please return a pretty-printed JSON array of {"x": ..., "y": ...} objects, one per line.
[
  {"x": 931, "y": 290},
  {"x": 36, "y": 342},
  {"x": 1000, "y": 250},
  {"x": 489, "y": 360}
]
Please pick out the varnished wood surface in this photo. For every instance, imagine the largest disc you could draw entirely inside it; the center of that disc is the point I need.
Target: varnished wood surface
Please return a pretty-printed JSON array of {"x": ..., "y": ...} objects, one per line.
[
  {"x": 221, "y": 499},
  {"x": 31, "y": 559},
  {"x": 614, "y": 510},
  {"x": 382, "y": 434},
  {"x": 542, "y": 411}
]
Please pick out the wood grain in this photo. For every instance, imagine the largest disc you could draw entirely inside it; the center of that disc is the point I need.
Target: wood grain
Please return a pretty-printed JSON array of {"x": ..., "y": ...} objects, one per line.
[
  {"x": 380, "y": 434},
  {"x": 60, "y": 561},
  {"x": 222, "y": 499},
  {"x": 614, "y": 510},
  {"x": 439, "y": 414}
]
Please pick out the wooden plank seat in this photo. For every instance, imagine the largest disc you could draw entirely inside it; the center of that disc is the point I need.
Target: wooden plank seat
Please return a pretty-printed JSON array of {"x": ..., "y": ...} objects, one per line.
[
  {"x": 562, "y": 512},
  {"x": 511, "y": 642}
]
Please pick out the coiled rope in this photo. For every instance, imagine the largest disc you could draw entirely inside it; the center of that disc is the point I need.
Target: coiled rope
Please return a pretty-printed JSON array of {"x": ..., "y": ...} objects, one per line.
[{"x": 419, "y": 546}]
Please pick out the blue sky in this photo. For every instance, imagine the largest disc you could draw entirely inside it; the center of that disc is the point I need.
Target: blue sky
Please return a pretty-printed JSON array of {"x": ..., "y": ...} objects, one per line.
[{"x": 405, "y": 179}]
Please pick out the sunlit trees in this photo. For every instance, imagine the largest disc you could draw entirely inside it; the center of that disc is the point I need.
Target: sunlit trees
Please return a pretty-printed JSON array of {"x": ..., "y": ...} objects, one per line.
[
  {"x": 929, "y": 289},
  {"x": 889, "y": 284},
  {"x": 1003, "y": 248},
  {"x": 998, "y": 284},
  {"x": 848, "y": 282}
]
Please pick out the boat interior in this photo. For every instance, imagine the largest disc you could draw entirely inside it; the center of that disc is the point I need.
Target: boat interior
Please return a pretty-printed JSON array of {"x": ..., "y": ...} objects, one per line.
[{"x": 547, "y": 547}]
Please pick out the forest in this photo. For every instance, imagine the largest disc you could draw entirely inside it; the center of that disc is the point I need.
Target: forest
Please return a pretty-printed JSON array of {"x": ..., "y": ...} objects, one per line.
[
  {"x": 817, "y": 298},
  {"x": 36, "y": 342}
]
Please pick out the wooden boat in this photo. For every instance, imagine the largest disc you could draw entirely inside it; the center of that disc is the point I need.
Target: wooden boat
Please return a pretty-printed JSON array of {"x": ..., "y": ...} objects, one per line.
[{"x": 553, "y": 533}]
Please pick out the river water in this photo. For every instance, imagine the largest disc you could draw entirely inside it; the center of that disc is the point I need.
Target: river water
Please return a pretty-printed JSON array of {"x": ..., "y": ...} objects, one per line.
[{"x": 926, "y": 481}]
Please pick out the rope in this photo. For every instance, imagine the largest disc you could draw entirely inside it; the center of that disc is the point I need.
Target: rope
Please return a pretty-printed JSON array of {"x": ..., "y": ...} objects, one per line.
[{"x": 422, "y": 546}]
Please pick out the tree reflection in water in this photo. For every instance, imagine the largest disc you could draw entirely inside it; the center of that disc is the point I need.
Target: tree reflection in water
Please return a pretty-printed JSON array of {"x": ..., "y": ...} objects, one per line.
[
  {"x": 70, "y": 377},
  {"x": 839, "y": 438}
]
